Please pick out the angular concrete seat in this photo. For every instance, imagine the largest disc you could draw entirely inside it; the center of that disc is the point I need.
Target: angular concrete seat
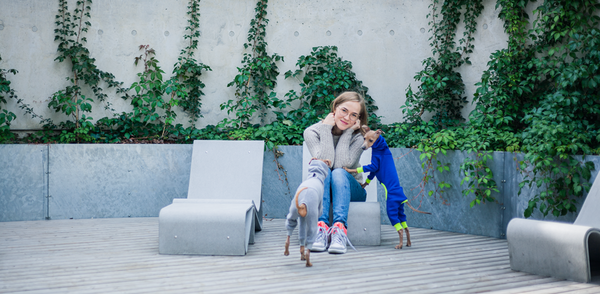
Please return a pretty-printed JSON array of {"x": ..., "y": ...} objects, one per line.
[
  {"x": 364, "y": 218},
  {"x": 222, "y": 210},
  {"x": 559, "y": 250}
]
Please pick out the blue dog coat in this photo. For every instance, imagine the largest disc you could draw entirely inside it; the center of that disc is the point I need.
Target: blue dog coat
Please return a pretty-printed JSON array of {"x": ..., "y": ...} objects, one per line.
[{"x": 382, "y": 166}]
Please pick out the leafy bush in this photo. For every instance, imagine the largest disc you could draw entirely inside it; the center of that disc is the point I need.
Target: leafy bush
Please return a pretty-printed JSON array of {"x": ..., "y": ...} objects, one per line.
[{"x": 323, "y": 75}]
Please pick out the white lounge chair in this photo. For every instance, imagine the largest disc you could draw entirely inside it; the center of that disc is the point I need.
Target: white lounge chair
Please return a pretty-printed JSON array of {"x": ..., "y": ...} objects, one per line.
[{"x": 221, "y": 212}]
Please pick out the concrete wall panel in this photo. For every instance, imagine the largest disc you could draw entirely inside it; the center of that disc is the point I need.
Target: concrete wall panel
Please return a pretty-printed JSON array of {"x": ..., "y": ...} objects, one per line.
[
  {"x": 23, "y": 182},
  {"x": 116, "y": 180},
  {"x": 279, "y": 187}
]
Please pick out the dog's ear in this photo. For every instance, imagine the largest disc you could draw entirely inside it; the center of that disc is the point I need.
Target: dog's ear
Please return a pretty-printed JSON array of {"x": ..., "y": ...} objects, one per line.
[
  {"x": 379, "y": 132},
  {"x": 365, "y": 128}
]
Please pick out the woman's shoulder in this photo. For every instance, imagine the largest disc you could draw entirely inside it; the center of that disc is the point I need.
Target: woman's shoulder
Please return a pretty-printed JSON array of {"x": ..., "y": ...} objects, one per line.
[
  {"x": 354, "y": 134},
  {"x": 319, "y": 127}
]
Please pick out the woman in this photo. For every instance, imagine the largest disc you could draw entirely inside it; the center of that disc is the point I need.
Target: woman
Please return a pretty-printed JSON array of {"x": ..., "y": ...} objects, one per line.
[{"x": 338, "y": 138}]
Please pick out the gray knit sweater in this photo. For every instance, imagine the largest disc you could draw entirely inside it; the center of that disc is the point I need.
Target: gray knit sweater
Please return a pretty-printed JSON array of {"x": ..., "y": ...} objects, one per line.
[{"x": 344, "y": 150}]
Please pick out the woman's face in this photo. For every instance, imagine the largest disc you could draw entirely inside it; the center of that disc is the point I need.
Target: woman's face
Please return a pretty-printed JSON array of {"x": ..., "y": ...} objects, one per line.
[{"x": 346, "y": 114}]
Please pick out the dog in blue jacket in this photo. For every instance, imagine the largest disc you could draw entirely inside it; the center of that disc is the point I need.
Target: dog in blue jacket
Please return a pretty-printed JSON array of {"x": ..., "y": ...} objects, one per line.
[{"x": 382, "y": 166}]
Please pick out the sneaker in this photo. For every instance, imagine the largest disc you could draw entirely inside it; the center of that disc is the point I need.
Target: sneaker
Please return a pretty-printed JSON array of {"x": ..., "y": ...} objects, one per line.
[
  {"x": 339, "y": 239},
  {"x": 322, "y": 241}
]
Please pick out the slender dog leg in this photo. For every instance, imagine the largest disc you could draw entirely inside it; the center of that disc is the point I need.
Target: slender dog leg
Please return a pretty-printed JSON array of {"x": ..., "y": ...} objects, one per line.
[
  {"x": 407, "y": 238},
  {"x": 287, "y": 246},
  {"x": 302, "y": 257},
  {"x": 399, "y": 246},
  {"x": 308, "y": 264}
]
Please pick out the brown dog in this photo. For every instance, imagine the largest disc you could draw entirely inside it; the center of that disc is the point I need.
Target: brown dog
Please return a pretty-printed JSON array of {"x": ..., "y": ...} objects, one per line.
[
  {"x": 382, "y": 166},
  {"x": 306, "y": 208}
]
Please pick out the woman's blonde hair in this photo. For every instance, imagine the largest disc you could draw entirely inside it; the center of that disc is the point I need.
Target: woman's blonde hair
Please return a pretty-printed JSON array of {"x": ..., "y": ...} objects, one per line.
[{"x": 363, "y": 116}]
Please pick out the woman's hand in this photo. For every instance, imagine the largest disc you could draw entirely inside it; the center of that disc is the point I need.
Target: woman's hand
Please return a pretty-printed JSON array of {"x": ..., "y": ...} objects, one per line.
[
  {"x": 329, "y": 120},
  {"x": 356, "y": 125}
]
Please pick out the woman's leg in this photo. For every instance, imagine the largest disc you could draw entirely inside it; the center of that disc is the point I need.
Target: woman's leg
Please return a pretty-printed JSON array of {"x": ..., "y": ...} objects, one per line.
[
  {"x": 326, "y": 198},
  {"x": 322, "y": 240},
  {"x": 344, "y": 188}
]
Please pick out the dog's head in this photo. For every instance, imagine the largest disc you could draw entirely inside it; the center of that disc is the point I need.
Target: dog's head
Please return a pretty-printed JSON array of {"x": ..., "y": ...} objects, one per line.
[{"x": 370, "y": 137}]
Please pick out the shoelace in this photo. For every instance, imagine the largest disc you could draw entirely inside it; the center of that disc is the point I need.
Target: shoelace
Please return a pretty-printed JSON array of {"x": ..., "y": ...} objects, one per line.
[
  {"x": 322, "y": 235},
  {"x": 340, "y": 236}
]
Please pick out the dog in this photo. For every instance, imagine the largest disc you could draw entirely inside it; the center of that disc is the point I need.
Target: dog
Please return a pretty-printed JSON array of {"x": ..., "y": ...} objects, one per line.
[
  {"x": 306, "y": 207},
  {"x": 382, "y": 166}
]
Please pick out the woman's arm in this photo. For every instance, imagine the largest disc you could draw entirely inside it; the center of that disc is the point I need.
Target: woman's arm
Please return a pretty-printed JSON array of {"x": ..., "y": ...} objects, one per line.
[
  {"x": 348, "y": 149},
  {"x": 319, "y": 141}
]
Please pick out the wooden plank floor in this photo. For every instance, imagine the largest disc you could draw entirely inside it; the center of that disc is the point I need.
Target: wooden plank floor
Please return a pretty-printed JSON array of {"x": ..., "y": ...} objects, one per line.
[{"x": 121, "y": 256}]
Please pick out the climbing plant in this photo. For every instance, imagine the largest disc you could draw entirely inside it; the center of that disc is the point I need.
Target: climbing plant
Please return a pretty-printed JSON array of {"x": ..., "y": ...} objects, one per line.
[
  {"x": 6, "y": 117},
  {"x": 430, "y": 149},
  {"x": 538, "y": 96},
  {"x": 323, "y": 75},
  {"x": 186, "y": 84},
  {"x": 479, "y": 177},
  {"x": 541, "y": 93},
  {"x": 257, "y": 78},
  {"x": 71, "y": 27},
  {"x": 507, "y": 88},
  {"x": 441, "y": 89},
  {"x": 566, "y": 118}
]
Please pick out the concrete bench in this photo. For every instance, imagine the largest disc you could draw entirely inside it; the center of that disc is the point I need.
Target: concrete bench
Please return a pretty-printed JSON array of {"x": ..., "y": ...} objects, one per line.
[
  {"x": 364, "y": 218},
  {"x": 559, "y": 250},
  {"x": 222, "y": 211}
]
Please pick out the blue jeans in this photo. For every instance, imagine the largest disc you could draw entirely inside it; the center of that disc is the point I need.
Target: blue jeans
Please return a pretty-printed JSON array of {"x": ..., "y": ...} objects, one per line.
[{"x": 340, "y": 188}]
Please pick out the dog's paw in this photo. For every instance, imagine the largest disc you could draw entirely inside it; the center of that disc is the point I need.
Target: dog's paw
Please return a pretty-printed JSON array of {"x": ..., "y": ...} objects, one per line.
[{"x": 399, "y": 246}]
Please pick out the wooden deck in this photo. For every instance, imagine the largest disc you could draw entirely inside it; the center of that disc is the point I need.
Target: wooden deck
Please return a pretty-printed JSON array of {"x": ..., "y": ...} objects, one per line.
[{"x": 121, "y": 256}]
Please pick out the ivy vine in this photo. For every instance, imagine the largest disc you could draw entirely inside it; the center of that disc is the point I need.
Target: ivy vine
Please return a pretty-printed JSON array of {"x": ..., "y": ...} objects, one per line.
[
  {"x": 566, "y": 117},
  {"x": 441, "y": 91},
  {"x": 186, "y": 82},
  {"x": 6, "y": 117},
  {"x": 323, "y": 75},
  {"x": 70, "y": 30},
  {"x": 257, "y": 78}
]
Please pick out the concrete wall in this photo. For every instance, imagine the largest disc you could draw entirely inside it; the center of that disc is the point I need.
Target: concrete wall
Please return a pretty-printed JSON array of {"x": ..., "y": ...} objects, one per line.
[
  {"x": 104, "y": 180},
  {"x": 386, "y": 40},
  {"x": 87, "y": 181}
]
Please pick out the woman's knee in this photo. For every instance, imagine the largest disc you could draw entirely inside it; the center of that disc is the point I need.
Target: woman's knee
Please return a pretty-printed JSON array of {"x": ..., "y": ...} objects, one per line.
[{"x": 339, "y": 173}]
